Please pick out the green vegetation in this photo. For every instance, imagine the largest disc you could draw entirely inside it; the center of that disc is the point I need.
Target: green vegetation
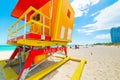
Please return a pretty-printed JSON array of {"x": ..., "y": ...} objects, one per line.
[{"x": 109, "y": 43}]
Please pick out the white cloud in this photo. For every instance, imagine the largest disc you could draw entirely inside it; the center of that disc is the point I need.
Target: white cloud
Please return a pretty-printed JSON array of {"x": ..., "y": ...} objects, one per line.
[
  {"x": 88, "y": 32},
  {"x": 81, "y": 7},
  {"x": 96, "y": 13},
  {"x": 102, "y": 36},
  {"x": 107, "y": 18}
]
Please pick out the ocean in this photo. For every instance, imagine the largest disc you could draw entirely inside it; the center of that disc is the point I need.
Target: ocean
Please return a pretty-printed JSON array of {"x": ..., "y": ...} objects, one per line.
[
  {"x": 9, "y": 47},
  {"x": 6, "y": 47}
]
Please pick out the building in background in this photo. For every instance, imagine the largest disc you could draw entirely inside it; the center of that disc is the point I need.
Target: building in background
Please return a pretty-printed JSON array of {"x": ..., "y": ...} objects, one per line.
[{"x": 115, "y": 34}]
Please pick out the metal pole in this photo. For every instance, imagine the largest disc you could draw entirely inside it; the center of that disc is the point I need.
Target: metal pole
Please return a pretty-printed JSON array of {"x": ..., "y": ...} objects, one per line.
[
  {"x": 20, "y": 59},
  {"x": 23, "y": 56},
  {"x": 43, "y": 29},
  {"x": 25, "y": 26}
]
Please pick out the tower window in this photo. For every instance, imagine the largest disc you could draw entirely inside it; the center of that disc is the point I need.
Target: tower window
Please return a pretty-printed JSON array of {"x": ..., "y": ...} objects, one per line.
[
  {"x": 68, "y": 13},
  {"x": 36, "y": 17}
]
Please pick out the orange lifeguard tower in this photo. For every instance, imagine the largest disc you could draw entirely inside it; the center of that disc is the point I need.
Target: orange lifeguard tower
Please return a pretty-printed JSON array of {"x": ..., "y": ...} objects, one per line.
[
  {"x": 49, "y": 21},
  {"x": 40, "y": 25}
]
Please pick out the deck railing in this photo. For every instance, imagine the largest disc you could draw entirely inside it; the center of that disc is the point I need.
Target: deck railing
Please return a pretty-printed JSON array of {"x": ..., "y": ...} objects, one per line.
[{"x": 15, "y": 30}]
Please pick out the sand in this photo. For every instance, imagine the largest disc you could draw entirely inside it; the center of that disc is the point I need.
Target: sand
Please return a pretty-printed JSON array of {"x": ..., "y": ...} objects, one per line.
[
  {"x": 103, "y": 63},
  {"x": 5, "y": 54}
]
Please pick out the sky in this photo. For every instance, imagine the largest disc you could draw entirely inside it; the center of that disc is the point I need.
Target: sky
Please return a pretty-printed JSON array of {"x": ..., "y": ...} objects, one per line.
[{"x": 92, "y": 23}]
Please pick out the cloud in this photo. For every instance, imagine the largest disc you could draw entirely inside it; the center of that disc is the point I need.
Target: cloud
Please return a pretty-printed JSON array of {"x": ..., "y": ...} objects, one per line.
[
  {"x": 94, "y": 14},
  {"x": 106, "y": 19},
  {"x": 102, "y": 36},
  {"x": 81, "y": 7},
  {"x": 87, "y": 32}
]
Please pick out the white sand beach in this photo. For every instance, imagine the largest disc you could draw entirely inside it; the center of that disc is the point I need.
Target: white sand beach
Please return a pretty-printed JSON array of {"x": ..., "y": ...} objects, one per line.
[
  {"x": 5, "y": 54},
  {"x": 103, "y": 63}
]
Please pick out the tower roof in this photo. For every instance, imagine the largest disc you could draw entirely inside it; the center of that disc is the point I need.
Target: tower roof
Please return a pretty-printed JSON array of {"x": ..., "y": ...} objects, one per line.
[{"x": 23, "y": 5}]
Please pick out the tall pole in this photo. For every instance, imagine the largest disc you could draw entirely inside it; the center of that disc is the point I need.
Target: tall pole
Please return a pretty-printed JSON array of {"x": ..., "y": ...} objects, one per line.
[
  {"x": 25, "y": 26},
  {"x": 43, "y": 29}
]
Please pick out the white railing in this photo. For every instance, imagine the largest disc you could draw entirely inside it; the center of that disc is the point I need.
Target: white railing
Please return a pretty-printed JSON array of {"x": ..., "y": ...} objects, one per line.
[{"x": 15, "y": 30}]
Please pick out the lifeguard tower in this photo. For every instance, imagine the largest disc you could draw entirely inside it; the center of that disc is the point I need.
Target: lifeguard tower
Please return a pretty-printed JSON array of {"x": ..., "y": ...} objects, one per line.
[{"x": 41, "y": 24}]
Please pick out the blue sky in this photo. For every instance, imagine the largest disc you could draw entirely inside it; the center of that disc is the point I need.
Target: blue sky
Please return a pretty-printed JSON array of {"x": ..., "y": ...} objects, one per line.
[{"x": 93, "y": 19}]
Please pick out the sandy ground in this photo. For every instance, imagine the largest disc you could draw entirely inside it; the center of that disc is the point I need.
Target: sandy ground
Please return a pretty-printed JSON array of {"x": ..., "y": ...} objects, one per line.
[
  {"x": 103, "y": 63},
  {"x": 5, "y": 54}
]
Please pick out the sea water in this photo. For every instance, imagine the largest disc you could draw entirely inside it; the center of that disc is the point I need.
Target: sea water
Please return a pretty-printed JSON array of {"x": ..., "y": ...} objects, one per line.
[
  {"x": 9, "y": 47},
  {"x": 6, "y": 47}
]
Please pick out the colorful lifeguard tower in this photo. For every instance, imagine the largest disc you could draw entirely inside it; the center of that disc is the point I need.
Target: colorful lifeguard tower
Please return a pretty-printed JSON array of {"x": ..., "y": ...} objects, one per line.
[{"x": 41, "y": 24}]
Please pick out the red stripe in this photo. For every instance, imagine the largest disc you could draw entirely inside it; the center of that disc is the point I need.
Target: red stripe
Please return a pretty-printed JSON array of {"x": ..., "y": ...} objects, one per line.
[{"x": 31, "y": 36}]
